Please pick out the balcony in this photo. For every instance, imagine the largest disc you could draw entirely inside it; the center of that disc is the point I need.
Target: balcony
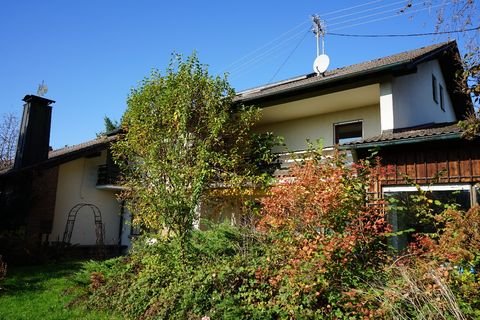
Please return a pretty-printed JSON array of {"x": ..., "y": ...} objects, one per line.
[
  {"x": 108, "y": 177},
  {"x": 286, "y": 160}
]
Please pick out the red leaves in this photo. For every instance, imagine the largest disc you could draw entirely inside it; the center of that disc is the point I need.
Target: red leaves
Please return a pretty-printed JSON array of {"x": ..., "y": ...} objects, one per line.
[
  {"x": 321, "y": 228},
  {"x": 305, "y": 200}
]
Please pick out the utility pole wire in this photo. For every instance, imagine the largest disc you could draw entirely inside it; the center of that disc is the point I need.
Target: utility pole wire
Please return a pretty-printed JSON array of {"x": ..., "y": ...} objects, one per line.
[
  {"x": 401, "y": 35},
  {"x": 366, "y": 10},
  {"x": 350, "y": 8},
  {"x": 386, "y": 18},
  {"x": 289, "y": 56},
  {"x": 236, "y": 62},
  {"x": 397, "y": 10},
  {"x": 266, "y": 53},
  {"x": 267, "y": 50},
  {"x": 265, "y": 46}
]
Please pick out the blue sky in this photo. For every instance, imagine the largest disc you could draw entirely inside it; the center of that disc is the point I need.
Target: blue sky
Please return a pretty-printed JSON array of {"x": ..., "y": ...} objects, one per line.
[{"x": 91, "y": 53}]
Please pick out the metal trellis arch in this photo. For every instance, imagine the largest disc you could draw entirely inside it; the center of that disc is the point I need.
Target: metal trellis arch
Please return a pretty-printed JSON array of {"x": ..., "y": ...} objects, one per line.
[{"x": 72, "y": 215}]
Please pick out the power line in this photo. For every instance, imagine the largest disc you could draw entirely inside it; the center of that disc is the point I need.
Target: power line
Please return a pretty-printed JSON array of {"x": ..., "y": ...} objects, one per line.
[
  {"x": 401, "y": 35},
  {"x": 397, "y": 10},
  {"x": 266, "y": 45},
  {"x": 269, "y": 49},
  {"x": 350, "y": 8},
  {"x": 366, "y": 10},
  {"x": 241, "y": 61},
  {"x": 266, "y": 53},
  {"x": 289, "y": 56},
  {"x": 387, "y": 17}
]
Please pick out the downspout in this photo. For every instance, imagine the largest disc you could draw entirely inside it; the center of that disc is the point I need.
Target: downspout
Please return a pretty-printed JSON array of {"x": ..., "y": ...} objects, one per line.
[{"x": 120, "y": 229}]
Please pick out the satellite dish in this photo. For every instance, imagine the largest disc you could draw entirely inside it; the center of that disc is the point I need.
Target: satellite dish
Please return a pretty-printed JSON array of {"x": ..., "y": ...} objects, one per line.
[{"x": 321, "y": 63}]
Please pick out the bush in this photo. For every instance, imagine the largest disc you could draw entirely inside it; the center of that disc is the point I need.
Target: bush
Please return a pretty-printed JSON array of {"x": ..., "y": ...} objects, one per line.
[
  {"x": 154, "y": 281},
  {"x": 319, "y": 251},
  {"x": 317, "y": 241}
]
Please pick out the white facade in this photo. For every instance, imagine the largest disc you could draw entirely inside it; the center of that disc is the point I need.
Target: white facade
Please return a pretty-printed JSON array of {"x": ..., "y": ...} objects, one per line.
[
  {"x": 413, "y": 102},
  {"x": 321, "y": 127},
  {"x": 392, "y": 103},
  {"x": 76, "y": 184}
]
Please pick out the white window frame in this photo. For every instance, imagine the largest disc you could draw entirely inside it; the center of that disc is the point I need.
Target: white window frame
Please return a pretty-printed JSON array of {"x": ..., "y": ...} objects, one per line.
[{"x": 438, "y": 187}]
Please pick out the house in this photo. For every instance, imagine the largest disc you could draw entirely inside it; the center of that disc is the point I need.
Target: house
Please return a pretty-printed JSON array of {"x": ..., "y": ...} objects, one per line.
[
  {"x": 364, "y": 100},
  {"x": 63, "y": 195},
  {"x": 405, "y": 105}
]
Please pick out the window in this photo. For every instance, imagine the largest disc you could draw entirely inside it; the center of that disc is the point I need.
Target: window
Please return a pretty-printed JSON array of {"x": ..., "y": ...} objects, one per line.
[
  {"x": 442, "y": 106},
  {"x": 348, "y": 132},
  {"x": 403, "y": 200},
  {"x": 434, "y": 89}
]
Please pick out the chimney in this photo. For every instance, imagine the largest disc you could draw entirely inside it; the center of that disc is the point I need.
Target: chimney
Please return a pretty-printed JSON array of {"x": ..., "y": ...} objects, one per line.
[{"x": 34, "y": 135}]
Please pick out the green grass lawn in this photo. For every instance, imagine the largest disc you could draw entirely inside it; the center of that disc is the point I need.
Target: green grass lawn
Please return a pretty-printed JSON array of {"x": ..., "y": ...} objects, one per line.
[{"x": 44, "y": 292}]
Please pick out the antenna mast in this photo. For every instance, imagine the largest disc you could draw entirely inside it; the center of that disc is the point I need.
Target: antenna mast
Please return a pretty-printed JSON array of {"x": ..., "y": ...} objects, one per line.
[
  {"x": 318, "y": 29},
  {"x": 322, "y": 61}
]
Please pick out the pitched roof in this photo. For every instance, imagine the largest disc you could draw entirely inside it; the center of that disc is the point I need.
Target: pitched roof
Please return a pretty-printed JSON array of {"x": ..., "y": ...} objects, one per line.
[
  {"x": 69, "y": 153},
  {"x": 395, "y": 63},
  {"x": 428, "y": 132},
  {"x": 81, "y": 148}
]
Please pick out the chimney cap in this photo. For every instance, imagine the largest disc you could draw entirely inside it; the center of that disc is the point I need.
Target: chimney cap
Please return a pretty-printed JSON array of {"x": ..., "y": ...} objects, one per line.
[{"x": 34, "y": 98}]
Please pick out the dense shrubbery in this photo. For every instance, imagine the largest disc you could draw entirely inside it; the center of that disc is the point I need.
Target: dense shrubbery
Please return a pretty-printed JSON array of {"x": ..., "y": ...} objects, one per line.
[
  {"x": 154, "y": 281},
  {"x": 318, "y": 252}
]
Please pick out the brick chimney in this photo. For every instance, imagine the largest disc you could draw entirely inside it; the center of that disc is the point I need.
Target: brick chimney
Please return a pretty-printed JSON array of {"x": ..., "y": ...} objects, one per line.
[{"x": 34, "y": 135}]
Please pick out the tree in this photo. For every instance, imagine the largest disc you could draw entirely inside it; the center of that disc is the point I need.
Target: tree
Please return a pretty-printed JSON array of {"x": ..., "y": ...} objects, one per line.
[
  {"x": 8, "y": 139},
  {"x": 109, "y": 126},
  {"x": 183, "y": 138}
]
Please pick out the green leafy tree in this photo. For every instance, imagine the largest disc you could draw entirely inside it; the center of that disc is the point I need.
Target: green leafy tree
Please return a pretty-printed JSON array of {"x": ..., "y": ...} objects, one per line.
[{"x": 183, "y": 138}]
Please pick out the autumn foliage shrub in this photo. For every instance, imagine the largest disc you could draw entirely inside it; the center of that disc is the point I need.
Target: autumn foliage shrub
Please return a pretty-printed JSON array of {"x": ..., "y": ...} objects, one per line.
[
  {"x": 316, "y": 244},
  {"x": 327, "y": 240},
  {"x": 437, "y": 277},
  {"x": 319, "y": 250}
]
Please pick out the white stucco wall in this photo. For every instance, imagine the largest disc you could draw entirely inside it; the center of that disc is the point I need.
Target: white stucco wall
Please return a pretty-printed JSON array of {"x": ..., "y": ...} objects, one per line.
[
  {"x": 413, "y": 102},
  {"x": 295, "y": 132},
  {"x": 386, "y": 106},
  {"x": 77, "y": 184}
]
